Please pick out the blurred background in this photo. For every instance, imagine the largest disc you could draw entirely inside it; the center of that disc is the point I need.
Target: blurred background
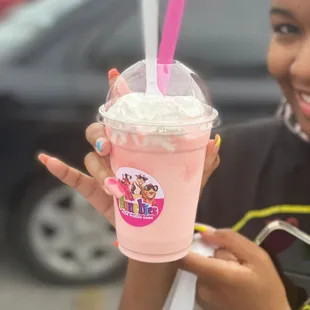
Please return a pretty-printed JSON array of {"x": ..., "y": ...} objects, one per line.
[{"x": 54, "y": 58}]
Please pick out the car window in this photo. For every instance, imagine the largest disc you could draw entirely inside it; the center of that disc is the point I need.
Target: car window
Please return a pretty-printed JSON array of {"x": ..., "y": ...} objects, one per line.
[
  {"x": 24, "y": 22},
  {"x": 226, "y": 32},
  {"x": 123, "y": 46},
  {"x": 220, "y": 32}
]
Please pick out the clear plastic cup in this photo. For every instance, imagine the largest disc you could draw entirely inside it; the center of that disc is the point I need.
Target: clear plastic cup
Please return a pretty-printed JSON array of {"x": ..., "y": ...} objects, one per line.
[{"x": 159, "y": 165}]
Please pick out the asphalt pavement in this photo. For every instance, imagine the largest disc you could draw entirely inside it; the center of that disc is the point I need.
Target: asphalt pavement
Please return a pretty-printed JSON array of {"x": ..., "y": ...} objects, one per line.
[{"x": 19, "y": 291}]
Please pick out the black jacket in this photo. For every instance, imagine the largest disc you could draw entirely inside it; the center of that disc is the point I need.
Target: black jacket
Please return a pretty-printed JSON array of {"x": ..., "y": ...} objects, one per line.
[
  {"x": 263, "y": 167},
  {"x": 264, "y": 175}
]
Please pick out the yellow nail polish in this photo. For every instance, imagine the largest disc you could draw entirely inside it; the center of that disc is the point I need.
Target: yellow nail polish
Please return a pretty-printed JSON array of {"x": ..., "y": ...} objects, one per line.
[
  {"x": 218, "y": 141},
  {"x": 201, "y": 228}
]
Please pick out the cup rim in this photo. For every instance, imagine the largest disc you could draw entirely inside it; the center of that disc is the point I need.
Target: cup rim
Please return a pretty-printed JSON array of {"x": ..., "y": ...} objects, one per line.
[{"x": 195, "y": 122}]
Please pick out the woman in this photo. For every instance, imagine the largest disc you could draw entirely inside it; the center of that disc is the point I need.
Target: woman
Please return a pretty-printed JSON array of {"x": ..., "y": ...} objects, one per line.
[{"x": 273, "y": 180}]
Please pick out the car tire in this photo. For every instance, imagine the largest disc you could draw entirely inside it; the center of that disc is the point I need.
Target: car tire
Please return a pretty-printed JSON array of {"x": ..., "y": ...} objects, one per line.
[{"x": 30, "y": 250}]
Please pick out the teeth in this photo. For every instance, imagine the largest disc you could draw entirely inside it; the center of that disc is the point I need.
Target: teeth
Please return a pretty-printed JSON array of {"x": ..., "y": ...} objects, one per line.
[{"x": 305, "y": 97}]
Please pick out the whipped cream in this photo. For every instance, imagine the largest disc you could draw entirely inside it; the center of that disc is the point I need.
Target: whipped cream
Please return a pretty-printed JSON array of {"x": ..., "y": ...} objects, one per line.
[
  {"x": 137, "y": 107},
  {"x": 159, "y": 119}
]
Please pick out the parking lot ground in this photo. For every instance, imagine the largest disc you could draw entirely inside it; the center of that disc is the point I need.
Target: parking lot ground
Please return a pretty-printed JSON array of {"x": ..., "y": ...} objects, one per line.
[{"x": 18, "y": 291}]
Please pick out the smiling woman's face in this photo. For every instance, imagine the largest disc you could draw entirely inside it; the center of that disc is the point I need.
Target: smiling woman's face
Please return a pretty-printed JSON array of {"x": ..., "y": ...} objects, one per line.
[{"x": 289, "y": 54}]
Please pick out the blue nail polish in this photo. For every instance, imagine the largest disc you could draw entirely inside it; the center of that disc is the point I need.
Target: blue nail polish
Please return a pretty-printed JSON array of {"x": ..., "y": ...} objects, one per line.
[{"x": 99, "y": 144}]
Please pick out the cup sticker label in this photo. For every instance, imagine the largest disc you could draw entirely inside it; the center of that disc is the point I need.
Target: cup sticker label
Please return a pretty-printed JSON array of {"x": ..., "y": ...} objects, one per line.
[{"x": 143, "y": 200}]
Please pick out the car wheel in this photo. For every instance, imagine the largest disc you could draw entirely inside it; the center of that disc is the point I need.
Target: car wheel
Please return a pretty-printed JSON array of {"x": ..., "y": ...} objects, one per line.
[{"x": 62, "y": 239}]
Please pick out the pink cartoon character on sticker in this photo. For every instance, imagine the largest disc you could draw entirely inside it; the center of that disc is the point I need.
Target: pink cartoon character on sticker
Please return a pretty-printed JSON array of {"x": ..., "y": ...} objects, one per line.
[{"x": 126, "y": 185}]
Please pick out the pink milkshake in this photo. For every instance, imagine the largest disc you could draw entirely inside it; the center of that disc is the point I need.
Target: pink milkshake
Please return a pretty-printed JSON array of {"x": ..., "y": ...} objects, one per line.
[{"x": 158, "y": 153}]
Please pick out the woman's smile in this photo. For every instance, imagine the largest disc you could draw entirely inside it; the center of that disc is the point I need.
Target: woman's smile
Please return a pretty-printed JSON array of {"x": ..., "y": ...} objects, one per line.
[
  {"x": 289, "y": 55},
  {"x": 303, "y": 100}
]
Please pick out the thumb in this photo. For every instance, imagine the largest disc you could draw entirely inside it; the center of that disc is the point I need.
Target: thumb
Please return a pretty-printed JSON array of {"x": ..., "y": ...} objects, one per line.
[{"x": 242, "y": 248}]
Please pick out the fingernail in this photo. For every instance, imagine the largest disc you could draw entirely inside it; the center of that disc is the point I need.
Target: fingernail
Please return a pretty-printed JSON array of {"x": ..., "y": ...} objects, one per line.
[
  {"x": 209, "y": 231},
  {"x": 114, "y": 187},
  {"x": 217, "y": 144},
  {"x": 99, "y": 144},
  {"x": 113, "y": 73},
  {"x": 218, "y": 141},
  {"x": 201, "y": 228},
  {"x": 116, "y": 244},
  {"x": 43, "y": 158}
]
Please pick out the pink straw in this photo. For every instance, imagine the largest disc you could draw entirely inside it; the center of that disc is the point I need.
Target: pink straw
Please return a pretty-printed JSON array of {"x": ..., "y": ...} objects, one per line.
[{"x": 169, "y": 42}]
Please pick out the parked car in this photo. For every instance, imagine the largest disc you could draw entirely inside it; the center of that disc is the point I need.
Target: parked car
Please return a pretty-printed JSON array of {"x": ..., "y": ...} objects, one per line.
[{"x": 53, "y": 62}]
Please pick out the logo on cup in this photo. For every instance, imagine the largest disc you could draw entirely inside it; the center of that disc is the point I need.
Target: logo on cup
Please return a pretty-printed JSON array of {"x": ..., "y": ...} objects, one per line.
[{"x": 143, "y": 200}]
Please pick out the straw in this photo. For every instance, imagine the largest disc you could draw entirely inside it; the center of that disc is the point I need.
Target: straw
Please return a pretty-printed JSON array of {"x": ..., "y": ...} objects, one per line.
[
  {"x": 169, "y": 41},
  {"x": 150, "y": 11}
]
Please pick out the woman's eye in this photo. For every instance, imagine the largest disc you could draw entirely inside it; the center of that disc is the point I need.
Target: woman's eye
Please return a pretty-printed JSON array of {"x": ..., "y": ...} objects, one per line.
[{"x": 286, "y": 29}]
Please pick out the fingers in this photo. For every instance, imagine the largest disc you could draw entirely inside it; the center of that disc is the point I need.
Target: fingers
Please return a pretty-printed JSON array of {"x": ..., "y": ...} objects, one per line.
[
  {"x": 93, "y": 132},
  {"x": 213, "y": 271},
  {"x": 100, "y": 170},
  {"x": 212, "y": 160},
  {"x": 119, "y": 89},
  {"x": 213, "y": 150},
  {"x": 225, "y": 255},
  {"x": 103, "y": 146},
  {"x": 218, "y": 253},
  {"x": 68, "y": 175},
  {"x": 97, "y": 167},
  {"x": 95, "y": 135},
  {"x": 87, "y": 186},
  {"x": 223, "y": 270},
  {"x": 122, "y": 87},
  {"x": 242, "y": 248},
  {"x": 113, "y": 75},
  {"x": 203, "y": 294}
]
